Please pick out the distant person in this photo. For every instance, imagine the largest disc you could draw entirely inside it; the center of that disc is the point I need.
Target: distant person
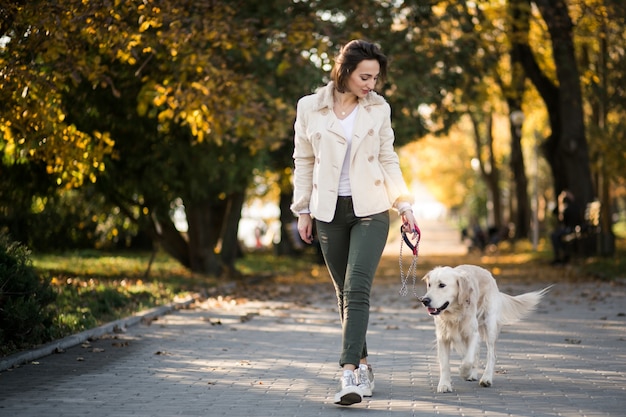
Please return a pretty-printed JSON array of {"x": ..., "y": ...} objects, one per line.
[
  {"x": 568, "y": 218},
  {"x": 475, "y": 235},
  {"x": 347, "y": 177}
]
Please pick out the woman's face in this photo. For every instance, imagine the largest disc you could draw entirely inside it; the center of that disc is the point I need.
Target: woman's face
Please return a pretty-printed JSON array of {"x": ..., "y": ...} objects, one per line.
[{"x": 363, "y": 78}]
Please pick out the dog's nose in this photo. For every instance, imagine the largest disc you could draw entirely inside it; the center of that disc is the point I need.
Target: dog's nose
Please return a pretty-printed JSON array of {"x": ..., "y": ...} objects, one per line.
[{"x": 425, "y": 301}]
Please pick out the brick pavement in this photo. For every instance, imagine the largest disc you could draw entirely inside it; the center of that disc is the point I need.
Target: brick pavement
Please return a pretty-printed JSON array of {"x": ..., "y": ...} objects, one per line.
[{"x": 279, "y": 358}]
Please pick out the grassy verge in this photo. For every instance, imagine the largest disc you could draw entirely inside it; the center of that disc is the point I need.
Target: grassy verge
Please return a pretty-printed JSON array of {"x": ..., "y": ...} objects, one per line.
[{"x": 94, "y": 288}]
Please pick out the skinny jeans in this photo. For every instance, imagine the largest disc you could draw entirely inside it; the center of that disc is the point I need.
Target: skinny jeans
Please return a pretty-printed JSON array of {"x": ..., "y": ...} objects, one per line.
[{"x": 352, "y": 247}]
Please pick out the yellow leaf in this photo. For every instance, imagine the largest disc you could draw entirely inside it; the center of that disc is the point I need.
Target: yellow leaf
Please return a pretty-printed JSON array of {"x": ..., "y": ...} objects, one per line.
[
  {"x": 166, "y": 114},
  {"x": 144, "y": 26}
]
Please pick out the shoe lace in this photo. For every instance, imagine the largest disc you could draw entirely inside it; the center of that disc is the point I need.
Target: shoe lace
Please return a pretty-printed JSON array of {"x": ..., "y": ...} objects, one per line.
[
  {"x": 364, "y": 377},
  {"x": 348, "y": 380}
]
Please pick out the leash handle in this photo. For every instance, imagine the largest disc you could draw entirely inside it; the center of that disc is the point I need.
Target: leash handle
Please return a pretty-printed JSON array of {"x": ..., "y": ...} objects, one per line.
[
  {"x": 408, "y": 242},
  {"x": 412, "y": 271}
]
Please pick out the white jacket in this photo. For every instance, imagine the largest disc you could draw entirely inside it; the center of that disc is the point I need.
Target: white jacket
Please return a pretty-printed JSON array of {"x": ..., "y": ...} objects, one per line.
[{"x": 320, "y": 147}]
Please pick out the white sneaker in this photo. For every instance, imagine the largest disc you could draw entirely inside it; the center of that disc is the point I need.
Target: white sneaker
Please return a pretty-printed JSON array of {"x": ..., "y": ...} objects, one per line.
[
  {"x": 349, "y": 392},
  {"x": 365, "y": 379}
]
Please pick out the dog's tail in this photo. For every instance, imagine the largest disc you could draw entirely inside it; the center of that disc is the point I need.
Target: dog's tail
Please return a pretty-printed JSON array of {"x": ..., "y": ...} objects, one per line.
[{"x": 515, "y": 308}]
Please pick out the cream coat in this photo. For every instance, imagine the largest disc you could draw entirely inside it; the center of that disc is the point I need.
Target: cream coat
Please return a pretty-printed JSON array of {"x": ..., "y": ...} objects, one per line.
[{"x": 320, "y": 148}]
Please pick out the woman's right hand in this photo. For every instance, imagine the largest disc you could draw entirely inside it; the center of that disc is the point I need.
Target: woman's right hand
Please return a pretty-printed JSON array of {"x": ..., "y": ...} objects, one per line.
[{"x": 305, "y": 228}]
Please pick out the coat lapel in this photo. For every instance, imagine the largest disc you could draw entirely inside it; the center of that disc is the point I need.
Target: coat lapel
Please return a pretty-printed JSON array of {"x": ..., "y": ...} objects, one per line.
[
  {"x": 363, "y": 123},
  {"x": 335, "y": 127},
  {"x": 362, "y": 126}
]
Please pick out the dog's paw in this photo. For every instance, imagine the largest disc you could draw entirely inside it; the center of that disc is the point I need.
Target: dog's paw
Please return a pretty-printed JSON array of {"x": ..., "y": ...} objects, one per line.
[
  {"x": 484, "y": 382},
  {"x": 444, "y": 387},
  {"x": 468, "y": 372}
]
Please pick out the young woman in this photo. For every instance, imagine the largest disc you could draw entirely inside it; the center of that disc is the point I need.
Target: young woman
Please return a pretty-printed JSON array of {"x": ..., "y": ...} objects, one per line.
[{"x": 347, "y": 177}]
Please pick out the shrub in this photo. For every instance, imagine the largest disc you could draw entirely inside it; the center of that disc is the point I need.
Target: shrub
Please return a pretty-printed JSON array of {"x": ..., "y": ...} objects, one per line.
[{"x": 25, "y": 319}]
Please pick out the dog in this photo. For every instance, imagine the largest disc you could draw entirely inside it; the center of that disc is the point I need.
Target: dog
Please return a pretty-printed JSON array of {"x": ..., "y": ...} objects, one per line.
[{"x": 467, "y": 306}]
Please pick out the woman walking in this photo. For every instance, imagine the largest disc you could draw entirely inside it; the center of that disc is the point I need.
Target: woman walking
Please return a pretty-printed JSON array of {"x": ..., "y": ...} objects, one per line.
[{"x": 347, "y": 177}]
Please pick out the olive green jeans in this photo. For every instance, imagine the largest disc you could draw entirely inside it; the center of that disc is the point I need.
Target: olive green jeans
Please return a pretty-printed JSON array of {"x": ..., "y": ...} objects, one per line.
[{"x": 352, "y": 247}]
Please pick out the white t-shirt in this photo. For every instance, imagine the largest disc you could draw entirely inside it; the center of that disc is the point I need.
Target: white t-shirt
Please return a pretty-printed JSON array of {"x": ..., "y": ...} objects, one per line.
[{"x": 344, "y": 179}]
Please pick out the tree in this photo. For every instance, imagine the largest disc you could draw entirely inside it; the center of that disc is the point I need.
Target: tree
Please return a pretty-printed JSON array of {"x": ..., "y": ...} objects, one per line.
[
  {"x": 171, "y": 82},
  {"x": 461, "y": 57},
  {"x": 488, "y": 166},
  {"x": 514, "y": 93},
  {"x": 165, "y": 104},
  {"x": 599, "y": 32},
  {"x": 566, "y": 148},
  {"x": 37, "y": 64}
]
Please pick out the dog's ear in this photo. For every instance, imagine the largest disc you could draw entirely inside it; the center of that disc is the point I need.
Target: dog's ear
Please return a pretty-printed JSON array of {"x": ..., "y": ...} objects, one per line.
[{"x": 466, "y": 293}]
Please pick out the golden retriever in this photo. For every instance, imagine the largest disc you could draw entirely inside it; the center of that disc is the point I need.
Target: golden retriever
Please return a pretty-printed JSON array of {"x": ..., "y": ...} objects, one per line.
[{"x": 468, "y": 306}]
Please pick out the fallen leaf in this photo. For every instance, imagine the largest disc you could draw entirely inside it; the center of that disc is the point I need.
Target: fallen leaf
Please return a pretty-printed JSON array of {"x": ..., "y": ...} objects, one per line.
[
  {"x": 148, "y": 320},
  {"x": 248, "y": 317}
]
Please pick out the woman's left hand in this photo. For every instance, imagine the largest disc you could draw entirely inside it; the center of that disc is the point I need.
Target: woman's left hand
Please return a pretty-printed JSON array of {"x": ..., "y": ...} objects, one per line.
[{"x": 409, "y": 224}]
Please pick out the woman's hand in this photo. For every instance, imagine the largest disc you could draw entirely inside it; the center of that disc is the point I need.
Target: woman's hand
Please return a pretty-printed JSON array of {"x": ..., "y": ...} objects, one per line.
[
  {"x": 305, "y": 228},
  {"x": 409, "y": 224}
]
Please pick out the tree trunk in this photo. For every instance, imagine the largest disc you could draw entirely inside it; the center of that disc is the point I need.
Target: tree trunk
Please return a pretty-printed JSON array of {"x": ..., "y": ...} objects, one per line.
[
  {"x": 489, "y": 169},
  {"x": 231, "y": 250},
  {"x": 519, "y": 31},
  {"x": 566, "y": 149},
  {"x": 170, "y": 239},
  {"x": 599, "y": 108},
  {"x": 522, "y": 208},
  {"x": 493, "y": 177},
  {"x": 205, "y": 221},
  {"x": 286, "y": 245},
  {"x": 208, "y": 224}
]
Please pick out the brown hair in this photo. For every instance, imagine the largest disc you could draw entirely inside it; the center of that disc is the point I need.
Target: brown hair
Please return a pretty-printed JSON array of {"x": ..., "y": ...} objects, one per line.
[{"x": 350, "y": 55}]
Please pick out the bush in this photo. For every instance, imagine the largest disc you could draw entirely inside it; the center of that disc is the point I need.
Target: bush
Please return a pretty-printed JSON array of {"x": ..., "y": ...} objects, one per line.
[{"x": 25, "y": 319}]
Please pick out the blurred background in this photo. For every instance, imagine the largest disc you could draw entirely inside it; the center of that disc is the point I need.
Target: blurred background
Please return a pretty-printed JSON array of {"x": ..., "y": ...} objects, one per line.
[{"x": 167, "y": 125}]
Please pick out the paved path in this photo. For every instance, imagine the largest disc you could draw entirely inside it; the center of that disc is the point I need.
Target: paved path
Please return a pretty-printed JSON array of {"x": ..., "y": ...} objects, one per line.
[{"x": 279, "y": 358}]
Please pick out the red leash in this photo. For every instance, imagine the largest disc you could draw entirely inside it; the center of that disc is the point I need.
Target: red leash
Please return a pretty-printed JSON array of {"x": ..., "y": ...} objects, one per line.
[{"x": 412, "y": 271}]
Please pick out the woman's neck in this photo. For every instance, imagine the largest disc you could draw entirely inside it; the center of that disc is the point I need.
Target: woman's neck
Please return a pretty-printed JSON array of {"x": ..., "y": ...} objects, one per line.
[{"x": 344, "y": 99}]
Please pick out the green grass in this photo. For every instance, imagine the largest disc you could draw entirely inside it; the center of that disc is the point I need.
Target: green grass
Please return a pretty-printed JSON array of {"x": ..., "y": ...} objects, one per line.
[{"x": 94, "y": 288}]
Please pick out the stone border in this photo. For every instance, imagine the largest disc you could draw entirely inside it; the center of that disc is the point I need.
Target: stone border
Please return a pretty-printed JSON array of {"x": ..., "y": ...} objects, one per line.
[{"x": 76, "y": 339}]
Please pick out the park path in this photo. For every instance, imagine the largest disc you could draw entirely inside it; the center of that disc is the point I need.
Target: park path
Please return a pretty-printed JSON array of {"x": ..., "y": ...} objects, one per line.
[
  {"x": 242, "y": 355},
  {"x": 237, "y": 357}
]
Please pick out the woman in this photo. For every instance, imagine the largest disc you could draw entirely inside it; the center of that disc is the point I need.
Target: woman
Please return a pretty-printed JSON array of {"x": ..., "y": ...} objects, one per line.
[{"x": 347, "y": 177}]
